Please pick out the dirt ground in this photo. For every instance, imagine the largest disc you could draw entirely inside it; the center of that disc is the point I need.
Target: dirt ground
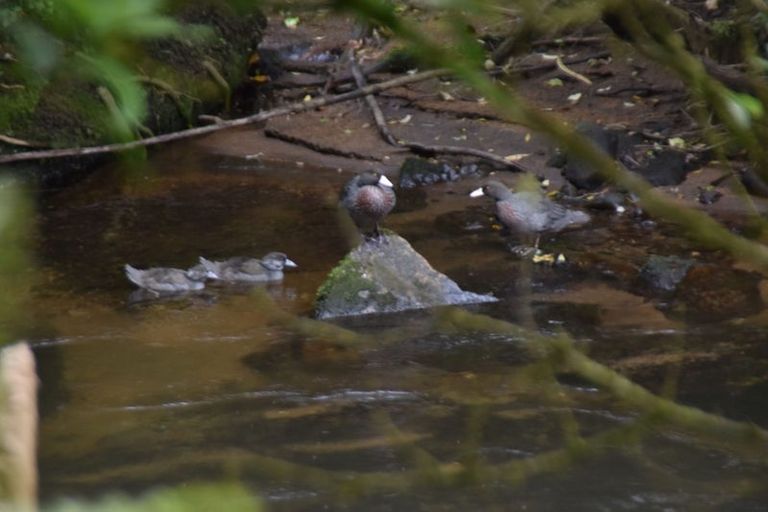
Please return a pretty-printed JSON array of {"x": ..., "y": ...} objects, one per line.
[{"x": 627, "y": 92}]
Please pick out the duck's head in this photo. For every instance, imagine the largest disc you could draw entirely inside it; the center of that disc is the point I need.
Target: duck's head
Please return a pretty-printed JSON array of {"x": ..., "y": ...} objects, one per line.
[
  {"x": 493, "y": 189},
  {"x": 276, "y": 261},
  {"x": 373, "y": 178}
]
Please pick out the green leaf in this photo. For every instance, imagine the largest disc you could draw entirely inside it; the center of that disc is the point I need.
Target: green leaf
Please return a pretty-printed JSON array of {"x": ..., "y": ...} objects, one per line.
[
  {"x": 743, "y": 108},
  {"x": 469, "y": 47},
  {"x": 38, "y": 49},
  {"x": 753, "y": 105},
  {"x": 133, "y": 18},
  {"x": 291, "y": 21},
  {"x": 129, "y": 95}
]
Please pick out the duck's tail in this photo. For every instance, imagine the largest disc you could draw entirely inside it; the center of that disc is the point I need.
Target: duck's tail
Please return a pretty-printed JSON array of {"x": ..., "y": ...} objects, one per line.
[
  {"x": 210, "y": 266},
  {"x": 133, "y": 275}
]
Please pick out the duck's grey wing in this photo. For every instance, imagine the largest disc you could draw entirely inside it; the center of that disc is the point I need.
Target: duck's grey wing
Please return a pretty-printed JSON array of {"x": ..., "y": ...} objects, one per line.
[
  {"x": 348, "y": 189},
  {"x": 252, "y": 266},
  {"x": 559, "y": 217},
  {"x": 176, "y": 278}
]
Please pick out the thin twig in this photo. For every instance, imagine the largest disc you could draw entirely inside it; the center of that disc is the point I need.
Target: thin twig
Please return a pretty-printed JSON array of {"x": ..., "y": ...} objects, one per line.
[
  {"x": 327, "y": 150},
  {"x": 210, "y": 119},
  {"x": 644, "y": 89},
  {"x": 459, "y": 150},
  {"x": 560, "y": 41},
  {"x": 340, "y": 79},
  {"x": 19, "y": 142},
  {"x": 378, "y": 115},
  {"x": 114, "y": 110},
  {"x": 551, "y": 65},
  {"x": 173, "y": 93},
  {"x": 242, "y": 121},
  {"x": 568, "y": 71},
  {"x": 220, "y": 81},
  {"x": 335, "y": 70}
]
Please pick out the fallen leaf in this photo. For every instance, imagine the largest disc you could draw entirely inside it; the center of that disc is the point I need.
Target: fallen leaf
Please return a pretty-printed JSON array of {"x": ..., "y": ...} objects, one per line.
[
  {"x": 406, "y": 119},
  {"x": 516, "y": 157},
  {"x": 291, "y": 21},
  {"x": 574, "y": 98},
  {"x": 676, "y": 142},
  {"x": 544, "y": 258},
  {"x": 554, "y": 82}
]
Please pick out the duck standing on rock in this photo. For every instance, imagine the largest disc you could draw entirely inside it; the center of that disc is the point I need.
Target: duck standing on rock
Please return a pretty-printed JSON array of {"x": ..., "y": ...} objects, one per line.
[
  {"x": 168, "y": 280},
  {"x": 530, "y": 212},
  {"x": 268, "y": 269},
  {"x": 368, "y": 197}
]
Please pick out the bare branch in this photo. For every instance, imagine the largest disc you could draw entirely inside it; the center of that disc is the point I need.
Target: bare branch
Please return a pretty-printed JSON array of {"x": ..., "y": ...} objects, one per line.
[{"x": 242, "y": 121}]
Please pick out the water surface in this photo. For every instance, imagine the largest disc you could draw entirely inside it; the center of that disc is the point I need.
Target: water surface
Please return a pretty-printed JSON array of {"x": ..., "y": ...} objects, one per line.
[{"x": 138, "y": 394}]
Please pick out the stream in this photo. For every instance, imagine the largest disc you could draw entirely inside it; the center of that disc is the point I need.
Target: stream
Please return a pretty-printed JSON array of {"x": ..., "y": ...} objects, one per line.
[{"x": 138, "y": 393}]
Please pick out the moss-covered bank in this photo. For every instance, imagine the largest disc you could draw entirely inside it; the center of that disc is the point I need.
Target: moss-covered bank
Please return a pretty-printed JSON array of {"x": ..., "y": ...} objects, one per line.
[{"x": 182, "y": 76}]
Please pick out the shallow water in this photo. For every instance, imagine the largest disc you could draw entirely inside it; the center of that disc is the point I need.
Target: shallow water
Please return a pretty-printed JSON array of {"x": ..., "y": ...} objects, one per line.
[{"x": 137, "y": 394}]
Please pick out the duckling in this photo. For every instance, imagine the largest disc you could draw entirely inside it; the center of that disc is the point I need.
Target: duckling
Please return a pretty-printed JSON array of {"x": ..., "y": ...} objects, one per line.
[
  {"x": 268, "y": 269},
  {"x": 169, "y": 280}
]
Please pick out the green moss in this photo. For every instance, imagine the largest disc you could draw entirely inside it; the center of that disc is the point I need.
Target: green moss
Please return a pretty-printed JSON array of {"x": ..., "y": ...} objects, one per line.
[
  {"x": 68, "y": 112},
  {"x": 724, "y": 29},
  {"x": 345, "y": 281},
  {"x": 65, "y": 109},
  {"x": 17, "y": 102}
]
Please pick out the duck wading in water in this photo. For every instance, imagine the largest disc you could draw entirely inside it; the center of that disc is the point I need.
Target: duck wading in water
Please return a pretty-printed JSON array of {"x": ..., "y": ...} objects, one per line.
[{"x": 530, "y": 212}]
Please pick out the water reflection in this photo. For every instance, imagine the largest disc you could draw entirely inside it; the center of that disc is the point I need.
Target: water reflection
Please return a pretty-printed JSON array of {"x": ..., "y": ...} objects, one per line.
[{"x": 402, "y": 414}]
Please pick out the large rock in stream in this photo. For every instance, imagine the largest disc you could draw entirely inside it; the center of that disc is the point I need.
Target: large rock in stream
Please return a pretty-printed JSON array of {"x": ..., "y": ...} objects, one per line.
[{"x": 386, "y": 276}]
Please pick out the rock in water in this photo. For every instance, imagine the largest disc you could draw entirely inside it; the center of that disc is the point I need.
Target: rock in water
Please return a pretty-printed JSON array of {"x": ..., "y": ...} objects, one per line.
[{"x": 386, "y": 276}]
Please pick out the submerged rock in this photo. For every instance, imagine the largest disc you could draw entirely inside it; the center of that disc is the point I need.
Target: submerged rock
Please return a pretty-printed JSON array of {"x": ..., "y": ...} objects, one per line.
[
  {"x": 386, "y": 276},
  {"x": 581, "y": 173},
  {"x": 416, "y": 172},
  {"x": 713, "y": 293},
  {"x": 665, "y": 272},
  {"x": 659, "y": 165}
]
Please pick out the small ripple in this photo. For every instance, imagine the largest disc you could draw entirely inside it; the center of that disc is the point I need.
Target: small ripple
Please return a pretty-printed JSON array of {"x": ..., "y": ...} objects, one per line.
[
  {"x": 379, "y": 395},
  {"x": 347, "y": 396},
  {"x": 180, "y": 404},
  {"x": 289, "y": 495},
  {"x": 67, "y": 340}
]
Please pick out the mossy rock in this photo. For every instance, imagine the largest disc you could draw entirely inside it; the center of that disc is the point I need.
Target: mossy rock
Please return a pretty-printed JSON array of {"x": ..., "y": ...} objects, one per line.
[{"x": 386, "y": 276}]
